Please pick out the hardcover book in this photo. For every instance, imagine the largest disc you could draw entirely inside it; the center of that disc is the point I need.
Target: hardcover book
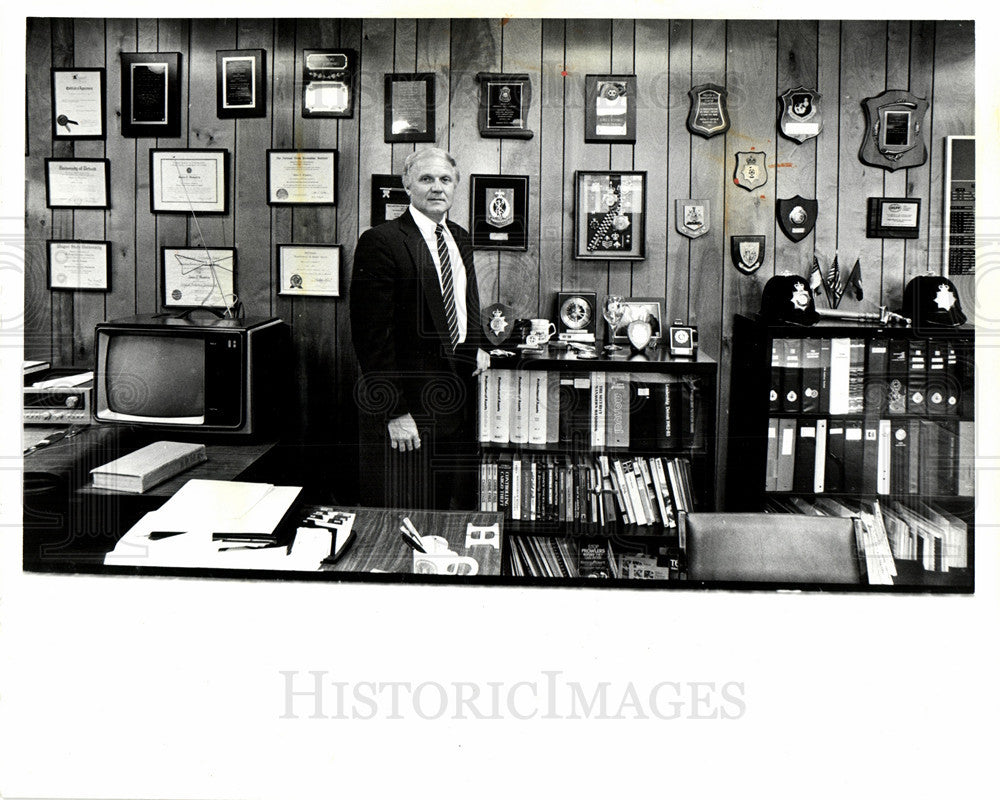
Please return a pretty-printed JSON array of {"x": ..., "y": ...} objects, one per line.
[{"x": 148, "y": 466}]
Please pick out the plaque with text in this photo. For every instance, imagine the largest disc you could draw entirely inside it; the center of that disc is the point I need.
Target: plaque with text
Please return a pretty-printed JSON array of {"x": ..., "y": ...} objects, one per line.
[
  {"x": 409, "y": 107},
  {"x": 893, "y": 217},
  {"x": 504, "y": 99},
  {"x": 241, "y": 84},
  {"x": 747, "y": 252},
  {"x": 611, "y": 107},
  {"x": 693, "y": 217},
  {"x": 389, "y": 198},
  {"x": 801, "y": 118},
  {"x": 79, "y": 265},
  {"x": 751, "y": 170},
  {"x": 796, "y": 216},
  {"x": 709, "y": 115},
  {"x": 78, "y": 103},
  {"x": 328, "y": 83},
  {"x": 498, "y": 212},
  {"x": 894, "y": 136},
  {"x": 151, "y": 94}
]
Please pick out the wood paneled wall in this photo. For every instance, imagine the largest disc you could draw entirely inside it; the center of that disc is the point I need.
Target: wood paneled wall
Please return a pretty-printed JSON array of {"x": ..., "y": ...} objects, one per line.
[{"x": 756, "y": 61}]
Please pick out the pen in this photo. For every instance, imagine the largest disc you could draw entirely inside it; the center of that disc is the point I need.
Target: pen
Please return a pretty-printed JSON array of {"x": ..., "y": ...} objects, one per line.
[
  {"x": 414, "y": 532},
  {"x": 411, "y": 540},
  {"x": 250, "y": 547}
]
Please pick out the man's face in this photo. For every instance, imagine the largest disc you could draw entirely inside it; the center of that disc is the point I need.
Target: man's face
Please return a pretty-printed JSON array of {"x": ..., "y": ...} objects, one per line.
[{"x": 431, "y": 186}]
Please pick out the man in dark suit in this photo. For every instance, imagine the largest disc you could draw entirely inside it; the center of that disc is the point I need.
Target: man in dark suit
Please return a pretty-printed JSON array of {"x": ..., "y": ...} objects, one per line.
[{"x": 415, "y": 320}]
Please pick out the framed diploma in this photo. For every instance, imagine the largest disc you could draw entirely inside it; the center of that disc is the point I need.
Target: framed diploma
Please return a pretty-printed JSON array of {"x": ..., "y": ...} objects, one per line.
[
  {"x": 79, "y": 266},
  {"x": 389, "y": 198},
  {"x": 409, "y": 107},
  {"x": 893, "y": 217},
  {"x": 77, "y": 182},
  {"x": 151, "y": 94},
  {"x": 240, "y": 83},
  {"x": 611, "y": 108},
  {"x": 302, "y": 177},
  {"x": 498, "y": 212},
  {"x": 198, "y": 277},
  {"x": 504, "y": 99},
  {"x": 78, "y": 103},
  {"x": 610, "y": 216},
  {"x": 183, "y": 181},
  {"x": 328, "y": 83},
  {"x": 309, "y": 270}
]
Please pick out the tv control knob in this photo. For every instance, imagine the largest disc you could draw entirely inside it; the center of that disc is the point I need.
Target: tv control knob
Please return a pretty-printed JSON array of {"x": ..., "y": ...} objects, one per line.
[
  {"x": 72, "y": 401},
  {"x": 46, "y": 415}
]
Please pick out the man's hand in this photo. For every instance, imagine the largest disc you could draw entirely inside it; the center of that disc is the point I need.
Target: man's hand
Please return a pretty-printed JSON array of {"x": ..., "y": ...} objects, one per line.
[
  {"x": 482, "y": 362},
  {"x": 403, "y": 434}
]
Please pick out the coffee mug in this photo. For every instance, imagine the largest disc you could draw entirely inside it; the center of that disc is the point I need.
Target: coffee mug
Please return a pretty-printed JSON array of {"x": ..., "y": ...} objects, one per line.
[
  {"x": 540, "y": 332},
  {"x": 440, "y": 560}
]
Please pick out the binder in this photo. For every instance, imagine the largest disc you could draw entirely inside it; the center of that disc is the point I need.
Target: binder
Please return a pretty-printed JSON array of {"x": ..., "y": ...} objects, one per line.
[
  {"x": 899, "y": 458},
  {"x": 824, "y": 376},
  {"x": 644, "y": 414},
  {"x": 965, "y": 476},
  {"x": 617, "y": 402},
  {"x": 853, "y": 455},
  {"x": 856, "y": 378},
  {"x": 897, "y": 374},
  {"x": 916, "y": 378},
  {"x": 869, "y": 470},
  {"x": 884, "y": 481},
  {"x": 937, "y": 378},
  {"x": 598, "y": 421},
  {"x": 485, "y": 414},
  {"x": 538, "y": 396},
  {"x": 811, "y": 373},
  {"x": 771, "y": 470},
  {"x": 519, "y": 407},
  {"x": 501, "y": 402},
  {"x": 840, "y": 371},
  {"x": 834, "y": 473},
  {"x": 777, "y": 367},
  {"x": 804, "y": 471},
  {"x": 552, "y": 407},
  {"x": 953, "y": 379},
  {"x": 786, "y": 455},
  {"x": 791, "y": 377},
  {"x": 876, "y": 380},
  {"x": 819, "y": 468},
  {"x": 913, "y": 472},
  {"x": 669, "y": 424}
]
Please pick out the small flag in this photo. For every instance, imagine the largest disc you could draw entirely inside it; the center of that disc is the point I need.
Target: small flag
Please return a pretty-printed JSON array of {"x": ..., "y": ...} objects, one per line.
[
  {"x": 831, "y": 281},
  {"x": 815, "y": 277},
  {"x": 854, "y": 281}
]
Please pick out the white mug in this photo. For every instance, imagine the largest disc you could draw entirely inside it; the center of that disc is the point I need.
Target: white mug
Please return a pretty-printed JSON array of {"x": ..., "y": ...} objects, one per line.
[{"x": 440, "y": 560}]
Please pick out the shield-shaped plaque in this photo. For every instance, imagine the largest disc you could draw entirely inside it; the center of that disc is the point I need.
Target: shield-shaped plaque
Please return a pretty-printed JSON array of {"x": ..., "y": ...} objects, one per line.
[
  {"x": 498, "y": 323},
  {"x": 894, "y": 136},
  {"x": 747, "y": 252},
  {"x": 708, "y": 116},
  {"x": 801, "y": 118},
  {"x": 692, "y": 218},
  {"x": 499, "y": 207},
  {"x": 796, "y": 216},
  {"x": 750, "y": 170}
]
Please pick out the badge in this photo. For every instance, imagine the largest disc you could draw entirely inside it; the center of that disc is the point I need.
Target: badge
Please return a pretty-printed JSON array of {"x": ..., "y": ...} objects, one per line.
[
  {"x": 499, "y": 207},
  {"x": 796, "y": 216},
  {"x": 800, "y": 114},
  {"x": 498, "y": 322},
  {"x": 750, "y": 170},
  {"x": 692, "y": 218},
  {"x": 893, "y": 132},
  {"x": 708, "y": 116},
  {"x": 747, "y": 252}
]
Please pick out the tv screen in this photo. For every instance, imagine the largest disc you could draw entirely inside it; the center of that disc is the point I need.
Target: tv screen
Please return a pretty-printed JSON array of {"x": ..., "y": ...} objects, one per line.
[{"x": 158, "y": 377}]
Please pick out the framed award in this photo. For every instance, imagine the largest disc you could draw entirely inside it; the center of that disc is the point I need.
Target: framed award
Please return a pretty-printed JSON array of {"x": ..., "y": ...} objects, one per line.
[
  {"x": 302, "y": 177},
  {"x": 79, "y": 266},
  {"x": 611, "y": 105},
  {"x": 576, "y": 316},
  {"x": 240, "y": 83},
  {"x": 893, "y": 217},
  {"x": 151, "y": 94},
  {"x": 610, "y": 220},
  {"x": 409, "y": 107},
  {"x": 309, "y": 270},
  {"x": 78, "y": 103},
  {"x": 183, "y": 181},
  {"x": 498, "y": 213},
  {"x": 389, "y": 198},
  {"x": 504, "y": 99},
  {"x": 77, "y": 182},
  {"x": 198, "y": 277},
  {"x": 329, "y": 78}
]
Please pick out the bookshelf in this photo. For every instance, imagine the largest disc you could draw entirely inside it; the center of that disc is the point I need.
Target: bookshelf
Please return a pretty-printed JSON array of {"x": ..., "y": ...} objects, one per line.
[
  {"x": 591, "y": 459},
  {"x": 834, "y": 416}
]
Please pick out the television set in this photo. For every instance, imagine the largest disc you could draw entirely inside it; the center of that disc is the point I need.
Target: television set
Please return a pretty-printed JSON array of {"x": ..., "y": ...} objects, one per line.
[{"x": 215, "y": 376}]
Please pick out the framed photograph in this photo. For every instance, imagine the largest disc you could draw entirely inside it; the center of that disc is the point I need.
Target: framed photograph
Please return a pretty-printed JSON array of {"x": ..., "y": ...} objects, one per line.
[
  {"x": 389, "y": 198},
  {"x": 610, "y": 108},
  {"x": 79, "y": 103},
  {"x": 79, "y": 266},
  {"x": 498, "y": 212},
  {"x": 504, "y": 100},
  {"x": 409, "y": 107},
  {"x": 198, "y": 277},
  {"x": 329, "y": 78},
  {"x": 151, "y": 94},
  {"x": 77, "y": 182},
  {"x": 302, "y": 177},
  {"x": 610, "y": 220},
  {"x": 183, "y": 181},
  {"x": 309, "y": 270},
  {"x": 893, "y": 217},
  {"x": 641, "y": 308},
  {"x": 240, "y": 83}
]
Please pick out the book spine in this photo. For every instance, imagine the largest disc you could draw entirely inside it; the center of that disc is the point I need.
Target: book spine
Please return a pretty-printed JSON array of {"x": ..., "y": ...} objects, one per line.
[
  {"x": 819, "y": 468},
  {"x": 804, "y": 469},
  {"x": 840, "y": 372},
  {"x": 538, "y": 396},
  {"x": 896, "y": 376},
  {"x": 916, "y": 378},
  {"x": 618, "y": 411},
  {"x": 856, "y": 378},
  {"x": 552, "y": 407},
  {"x": 485, "y": 414},
  {"x": 519, "y": 407},
  {"x": 777, "y": 367},
  {"x": 876, "y": 378},
  {"x": 786, "y": 455},
  {"x": 811, "y": 369},
  {"x": 884, "y": 482},
  {"x": 791, "y": 377},
  {"x": 501, "y": 402},
  {"x": 598, "y": 415},
  {"x": 771, "y": 470}
]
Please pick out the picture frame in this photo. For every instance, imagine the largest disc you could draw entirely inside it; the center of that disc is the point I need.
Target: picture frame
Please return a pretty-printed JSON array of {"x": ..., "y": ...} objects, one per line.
[
  {"x": 610, "y": 109},
  {"x": 240, "y": 83},
  {"x": 189, "y": 181},
  {"x": 302, "y": 177},
  {"x": 893, "y": 217},
  {"x": 151, "y": 95},
  {"x": 498, "y": 212},
  {"x": 329, "y": 81},
  {"x": 309, "y": 270},
  {"x": 389, "y": 198},
  {"x": 637, "y": 308},
  {"x": 78, "y": 265},
  {"x": 77, "y": 183},
  {"x": 610, "y": 215},
  {"x": 409, "y": 107},
  {"x": 79, "y": 103},
  {"x": 197, "y": 277},
  {"x": 504, "y": 101}
]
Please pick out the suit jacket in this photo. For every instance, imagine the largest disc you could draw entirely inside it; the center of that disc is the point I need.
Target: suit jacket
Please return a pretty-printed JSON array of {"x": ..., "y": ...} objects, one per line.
[{"x": 400, "y": 331}]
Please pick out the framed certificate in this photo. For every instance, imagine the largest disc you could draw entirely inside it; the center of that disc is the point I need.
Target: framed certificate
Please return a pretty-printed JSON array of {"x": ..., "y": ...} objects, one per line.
[
  {"x": 610, "y": 219},
  {"x": 78, "y": 103},
  {"x": 302, "y": 177},
  {"x": 77, "y": 182},
  {"x": 498, "y": 212},
  {"x": 389, "y": 198},
  {"x": 240, "y": 83},
  {"x": 504, "y": 99},
  {"x": 328, "y": 83},
  {"x": 183, "y": 181},
  {"x": 409, "y": 107},
  {"x": 893, "y": 217},
  {"x": 611, "y": 108},
  {"x": 79, "y": 266},
  {"x": 151, "y": 94},
  {"x": 309, "y": 270},
  {"x": 198, "y": 277}
]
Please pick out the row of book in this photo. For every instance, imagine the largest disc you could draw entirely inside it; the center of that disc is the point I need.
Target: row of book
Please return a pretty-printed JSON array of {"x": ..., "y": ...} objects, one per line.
[
  {"x": 595, "y": 410},
  {"x": 586, "y": 490},
  {"x": 573, "y": 557},
  {"x": 875, "y": 377},
  {"x": 872, "y": 456}
]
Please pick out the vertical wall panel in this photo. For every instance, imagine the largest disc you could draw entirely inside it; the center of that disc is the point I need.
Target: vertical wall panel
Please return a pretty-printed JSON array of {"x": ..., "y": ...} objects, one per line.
[
  {"x": 553, "y": 227},
  {"x": 623, "y": 157},
  {"x": 672, "y": 93},
  {"x": 63, "y": 318},
  {"x": 921, "y": 77},
  {"x": 828, "y": 146}
]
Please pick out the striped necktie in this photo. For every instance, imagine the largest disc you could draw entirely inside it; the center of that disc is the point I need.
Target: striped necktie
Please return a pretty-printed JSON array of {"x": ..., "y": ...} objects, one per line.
[{"x": 447, "y": 286}]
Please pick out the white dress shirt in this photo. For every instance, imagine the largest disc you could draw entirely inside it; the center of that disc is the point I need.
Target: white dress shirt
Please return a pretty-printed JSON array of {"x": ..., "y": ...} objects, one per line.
[{"x": 427, "y": 227}]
